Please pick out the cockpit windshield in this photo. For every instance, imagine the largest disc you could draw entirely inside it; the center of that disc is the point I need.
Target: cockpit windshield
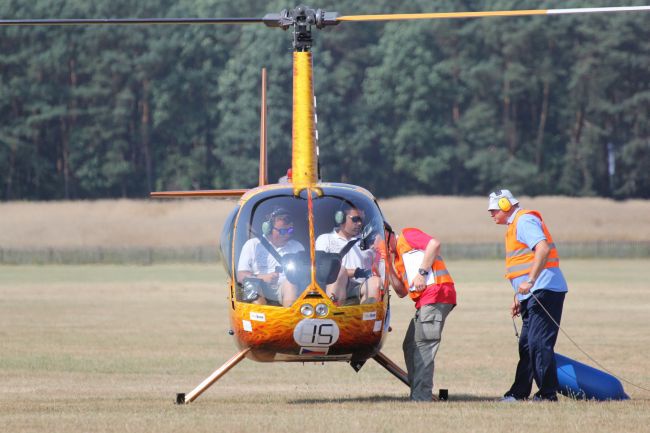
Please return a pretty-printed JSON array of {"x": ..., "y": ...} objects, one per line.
[{"x": 272, "y": 248}]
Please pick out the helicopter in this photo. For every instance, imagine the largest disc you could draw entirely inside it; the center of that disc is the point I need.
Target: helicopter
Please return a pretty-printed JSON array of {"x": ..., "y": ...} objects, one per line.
[{"x": 310, "y": 321}]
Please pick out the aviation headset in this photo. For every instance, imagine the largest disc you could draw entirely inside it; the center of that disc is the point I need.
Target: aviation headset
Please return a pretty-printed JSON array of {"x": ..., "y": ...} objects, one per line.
[
  {"x": 339, "y": 215},
  {"x": 267, "y": 226}
]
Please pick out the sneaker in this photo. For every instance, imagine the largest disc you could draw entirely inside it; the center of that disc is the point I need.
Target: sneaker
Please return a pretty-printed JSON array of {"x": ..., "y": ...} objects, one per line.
[{"x": 508, "y": 399}]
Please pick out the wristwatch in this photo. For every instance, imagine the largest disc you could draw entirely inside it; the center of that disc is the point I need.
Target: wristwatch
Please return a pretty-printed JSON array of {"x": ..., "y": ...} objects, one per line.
[
  {"x": 530, "y": 281},
  {"x": 423, "y": 272}
]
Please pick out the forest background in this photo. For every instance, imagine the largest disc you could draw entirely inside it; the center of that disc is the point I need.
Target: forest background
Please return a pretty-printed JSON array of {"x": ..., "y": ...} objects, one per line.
[{"x": 544, "y": 105}]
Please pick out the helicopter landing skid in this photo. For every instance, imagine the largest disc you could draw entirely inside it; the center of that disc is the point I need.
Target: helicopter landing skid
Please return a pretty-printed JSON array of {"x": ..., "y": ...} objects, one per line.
[
  {"x": 393, "y": 368},
  {"x": 183, "y": 398}
]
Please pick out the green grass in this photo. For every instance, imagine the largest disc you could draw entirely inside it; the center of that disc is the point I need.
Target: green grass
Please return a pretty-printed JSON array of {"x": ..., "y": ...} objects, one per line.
[{"x": 105, "y": 349}]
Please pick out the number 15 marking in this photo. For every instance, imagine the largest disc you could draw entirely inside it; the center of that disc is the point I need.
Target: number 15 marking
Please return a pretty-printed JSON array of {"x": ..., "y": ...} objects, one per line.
[{"x": 316, "y": 332}]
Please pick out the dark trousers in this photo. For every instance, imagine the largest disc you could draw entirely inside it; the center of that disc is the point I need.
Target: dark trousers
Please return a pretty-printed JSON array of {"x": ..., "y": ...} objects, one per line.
[{"x": 536, "y": 346}]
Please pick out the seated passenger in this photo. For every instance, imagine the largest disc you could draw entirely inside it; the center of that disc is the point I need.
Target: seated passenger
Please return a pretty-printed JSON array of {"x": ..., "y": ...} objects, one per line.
[
  {"x": 256, "y": 261},
  {"x": 355, "y": 282}
]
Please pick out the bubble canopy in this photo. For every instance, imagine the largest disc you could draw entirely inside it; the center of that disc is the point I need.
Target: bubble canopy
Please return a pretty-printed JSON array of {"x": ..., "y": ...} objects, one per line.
[{"x": 268, "y": 250}]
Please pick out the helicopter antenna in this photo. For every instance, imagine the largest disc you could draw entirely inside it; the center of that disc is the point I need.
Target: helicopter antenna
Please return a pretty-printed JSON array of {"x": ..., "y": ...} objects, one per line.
[{"x": 264, "y": 174}]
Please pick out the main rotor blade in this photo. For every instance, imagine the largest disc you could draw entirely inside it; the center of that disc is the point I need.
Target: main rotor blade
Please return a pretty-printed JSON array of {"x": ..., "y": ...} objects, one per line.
[
  {"x": 128, "y": 21},
  {"x": 450, "y": 15}
]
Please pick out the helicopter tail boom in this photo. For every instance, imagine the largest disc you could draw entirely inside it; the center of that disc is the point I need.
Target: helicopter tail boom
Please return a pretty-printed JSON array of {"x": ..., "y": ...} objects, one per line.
[{"x": 263, "y": 170}]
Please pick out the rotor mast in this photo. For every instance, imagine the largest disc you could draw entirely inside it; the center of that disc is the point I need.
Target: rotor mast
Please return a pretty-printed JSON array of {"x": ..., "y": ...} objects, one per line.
[{"x": 304, "y": 164}]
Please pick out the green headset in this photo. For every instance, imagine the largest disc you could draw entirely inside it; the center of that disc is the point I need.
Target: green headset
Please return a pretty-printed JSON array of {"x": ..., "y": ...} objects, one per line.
[
  {"x": 267, "y": 226},
  {"x": 339, "y": 215}
]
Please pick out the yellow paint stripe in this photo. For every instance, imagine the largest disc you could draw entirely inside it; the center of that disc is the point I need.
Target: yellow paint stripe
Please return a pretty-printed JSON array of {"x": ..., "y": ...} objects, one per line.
[
  {"x": 312, "y": 235},
  {"x": 442, "y": 15}
]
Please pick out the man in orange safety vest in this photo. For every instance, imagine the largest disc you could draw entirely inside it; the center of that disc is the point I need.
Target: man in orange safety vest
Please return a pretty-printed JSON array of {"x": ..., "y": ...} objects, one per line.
[
  {"x": 418, "y": 270},
  {"x": 533, "y": 268}
]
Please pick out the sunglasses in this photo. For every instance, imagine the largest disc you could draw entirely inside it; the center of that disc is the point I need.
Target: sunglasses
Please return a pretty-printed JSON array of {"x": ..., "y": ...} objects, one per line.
[
  {"x": 284, "y": 232},
  {"x": 356, "y": 219}
]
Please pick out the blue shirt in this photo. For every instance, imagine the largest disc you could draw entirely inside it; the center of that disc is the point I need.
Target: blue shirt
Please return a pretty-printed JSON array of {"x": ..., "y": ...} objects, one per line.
[{"x": 530, "y": 232}]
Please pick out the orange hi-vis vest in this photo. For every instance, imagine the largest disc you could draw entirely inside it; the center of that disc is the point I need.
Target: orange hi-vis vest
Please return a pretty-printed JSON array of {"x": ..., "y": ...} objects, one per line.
[
  {"x": 439, "y": 269},
  {"x": 519, "y": 258}
]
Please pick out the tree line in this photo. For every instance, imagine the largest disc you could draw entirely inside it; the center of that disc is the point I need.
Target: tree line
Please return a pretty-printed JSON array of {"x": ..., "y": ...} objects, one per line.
[{"x": 543, "y": 105}]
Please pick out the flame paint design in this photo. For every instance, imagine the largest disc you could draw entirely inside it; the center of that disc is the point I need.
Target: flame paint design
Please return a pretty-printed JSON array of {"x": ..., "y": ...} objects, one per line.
[{"x": 275, "y": 333}]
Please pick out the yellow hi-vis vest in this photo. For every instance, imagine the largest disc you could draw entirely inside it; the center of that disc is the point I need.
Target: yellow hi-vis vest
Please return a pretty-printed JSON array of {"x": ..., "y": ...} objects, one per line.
[
  {"x": 439, "y": 269},
  {"x": 519, "y": 258}
]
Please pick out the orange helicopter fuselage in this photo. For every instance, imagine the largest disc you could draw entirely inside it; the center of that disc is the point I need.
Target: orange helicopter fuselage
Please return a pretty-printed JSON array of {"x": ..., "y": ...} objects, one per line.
[{"x": 298, "y": 333}]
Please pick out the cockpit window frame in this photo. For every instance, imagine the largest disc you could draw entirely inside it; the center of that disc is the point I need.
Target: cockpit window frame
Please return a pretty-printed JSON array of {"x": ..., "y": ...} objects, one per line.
[{"x": 249, "y": 219}]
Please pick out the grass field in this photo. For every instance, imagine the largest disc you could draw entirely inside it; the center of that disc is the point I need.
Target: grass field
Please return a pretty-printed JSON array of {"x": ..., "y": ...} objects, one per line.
[{"x": 105, "y": 349}]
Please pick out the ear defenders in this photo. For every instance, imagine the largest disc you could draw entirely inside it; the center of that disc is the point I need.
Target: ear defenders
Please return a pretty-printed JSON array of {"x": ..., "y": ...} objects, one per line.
[
  {"x": 504, "y": 204},
  {"x": 501, "y": 196},
  {"x": 267, "y": 226},
  {"x": 340, "y": 214}
]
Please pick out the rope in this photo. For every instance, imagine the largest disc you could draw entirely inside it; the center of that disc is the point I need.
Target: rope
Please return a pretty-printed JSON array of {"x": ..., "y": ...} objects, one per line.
[{"x": 578, "y": 346}]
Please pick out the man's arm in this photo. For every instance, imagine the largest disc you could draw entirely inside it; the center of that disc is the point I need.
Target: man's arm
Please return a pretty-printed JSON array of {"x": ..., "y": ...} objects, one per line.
[
  {"x": 243, "y": 274},
  {"x": 542, "y": 250},
  {"x": 395, "y": 281},
  {"x": 430, "y": 253},
  {"x": 245, "y": 265}
]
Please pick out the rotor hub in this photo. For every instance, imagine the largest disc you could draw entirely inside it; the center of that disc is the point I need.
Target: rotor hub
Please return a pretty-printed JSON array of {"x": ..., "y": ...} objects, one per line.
[{"x": 302, "y": 18}]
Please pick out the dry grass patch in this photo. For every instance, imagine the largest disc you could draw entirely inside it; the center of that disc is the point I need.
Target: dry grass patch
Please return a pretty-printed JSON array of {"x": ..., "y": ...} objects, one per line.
[
  {"x": 570, "y": 219},
  {"x": 187, "y": 223},
  {"x": 105, "y": 349}
]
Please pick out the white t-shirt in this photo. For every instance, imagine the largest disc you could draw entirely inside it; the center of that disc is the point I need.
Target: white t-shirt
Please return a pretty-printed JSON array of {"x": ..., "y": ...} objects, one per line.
[
  {"x": 333, "y": 242},
  {"x": 257, "y": 259}
]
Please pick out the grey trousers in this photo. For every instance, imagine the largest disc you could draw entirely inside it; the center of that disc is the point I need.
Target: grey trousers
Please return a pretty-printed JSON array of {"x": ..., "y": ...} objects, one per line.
[{"x": 420, "y": 346}]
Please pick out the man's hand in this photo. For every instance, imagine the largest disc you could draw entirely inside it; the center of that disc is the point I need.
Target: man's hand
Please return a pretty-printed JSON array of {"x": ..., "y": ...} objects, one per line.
[
  {"x": 419, "y": 283},
  {"x": 515, "y": 310},
  {"x": 362, "y": 273},
  {"x": 271, "y": 278},
  {"x": 524, "y": 288}
]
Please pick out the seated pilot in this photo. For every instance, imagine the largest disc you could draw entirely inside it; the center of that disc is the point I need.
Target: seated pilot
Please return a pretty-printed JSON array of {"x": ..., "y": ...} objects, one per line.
[
  {"x": 257, "y": 263},
  {"x": 355, "y": 281}
]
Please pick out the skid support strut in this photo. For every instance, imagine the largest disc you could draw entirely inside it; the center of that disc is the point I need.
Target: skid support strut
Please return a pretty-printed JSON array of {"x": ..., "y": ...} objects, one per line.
[
  {"x": 393, "y": 368},
  {"x": 210, "y": 380}
]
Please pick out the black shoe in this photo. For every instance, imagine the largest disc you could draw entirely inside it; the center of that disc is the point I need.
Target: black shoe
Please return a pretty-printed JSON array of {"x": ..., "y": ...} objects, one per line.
[{"x": 538, "y": 399}]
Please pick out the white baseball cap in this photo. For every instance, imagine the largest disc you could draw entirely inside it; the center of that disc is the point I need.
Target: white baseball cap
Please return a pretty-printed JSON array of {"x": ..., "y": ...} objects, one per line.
[{"x": 497, "y": 195}]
